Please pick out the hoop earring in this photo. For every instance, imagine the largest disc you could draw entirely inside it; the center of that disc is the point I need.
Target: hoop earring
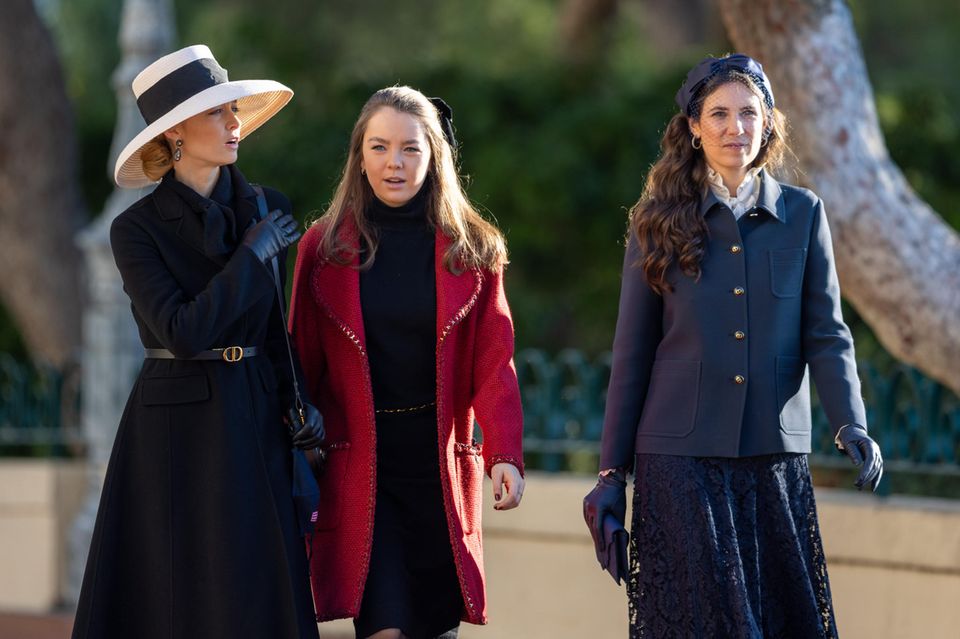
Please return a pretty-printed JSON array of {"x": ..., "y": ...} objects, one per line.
[
  {"x": 178, "y": 153},
  {"x": 696, "y": 143},
  {"x": 363, "y": 171}
]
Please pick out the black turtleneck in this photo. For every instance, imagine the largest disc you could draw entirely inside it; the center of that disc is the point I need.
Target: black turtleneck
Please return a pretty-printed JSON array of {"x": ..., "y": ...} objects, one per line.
[{"x": 398, "y": 298}]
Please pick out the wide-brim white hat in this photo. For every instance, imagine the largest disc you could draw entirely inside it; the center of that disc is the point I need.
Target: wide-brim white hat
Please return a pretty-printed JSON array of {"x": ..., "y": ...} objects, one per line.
[{"x": 179, "y": 86}]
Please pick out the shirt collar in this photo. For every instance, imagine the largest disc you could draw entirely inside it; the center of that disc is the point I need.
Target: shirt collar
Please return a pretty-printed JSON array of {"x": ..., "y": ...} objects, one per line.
[
  {"x": 769, "y": 197},
  {"x": 746, "y": 195}
]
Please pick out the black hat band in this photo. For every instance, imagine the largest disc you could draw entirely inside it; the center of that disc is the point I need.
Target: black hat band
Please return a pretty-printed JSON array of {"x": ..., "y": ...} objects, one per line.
[{"x": 178, "y": 86}]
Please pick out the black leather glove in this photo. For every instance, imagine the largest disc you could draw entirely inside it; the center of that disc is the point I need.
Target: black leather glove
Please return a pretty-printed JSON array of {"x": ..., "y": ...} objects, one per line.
[
  {"x": 272, "y": 234},
  {"x": 608, "y": 497},
  {"x": 308, "y": 433},
  {"x": 863, "y": 451}
]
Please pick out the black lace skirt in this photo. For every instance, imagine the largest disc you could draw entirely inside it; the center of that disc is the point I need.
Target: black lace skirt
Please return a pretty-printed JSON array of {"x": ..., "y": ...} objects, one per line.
[{"x": 727, "y": 548}]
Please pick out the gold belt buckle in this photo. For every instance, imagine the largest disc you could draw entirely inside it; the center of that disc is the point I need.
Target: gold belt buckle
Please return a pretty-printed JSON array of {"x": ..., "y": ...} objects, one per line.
[{"x": 232, "y": 354}]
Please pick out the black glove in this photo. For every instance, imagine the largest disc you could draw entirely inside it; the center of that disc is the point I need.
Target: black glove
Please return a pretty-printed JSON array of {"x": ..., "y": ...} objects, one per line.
[
  {"x": 608, "y": 496},
  {"x": 309, "y": 432},
  {"x": 271, "y": 235},
  {"x": 863, "y": 451}
]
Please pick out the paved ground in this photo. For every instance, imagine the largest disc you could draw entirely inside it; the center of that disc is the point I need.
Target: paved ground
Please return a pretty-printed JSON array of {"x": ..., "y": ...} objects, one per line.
[
  {"x": 59, "y": 625},
  {"x": 21, "y": 626}
]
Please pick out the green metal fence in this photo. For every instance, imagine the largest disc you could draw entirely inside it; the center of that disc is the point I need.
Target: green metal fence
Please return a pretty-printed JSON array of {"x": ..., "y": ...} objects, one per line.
[
  {"x": 39, "y": 408},
  {"x": 915, "y": 419}
]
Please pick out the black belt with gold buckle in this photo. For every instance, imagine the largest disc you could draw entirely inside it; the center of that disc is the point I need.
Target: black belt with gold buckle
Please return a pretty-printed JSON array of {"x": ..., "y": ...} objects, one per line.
[{"x": 230, "y": 354}]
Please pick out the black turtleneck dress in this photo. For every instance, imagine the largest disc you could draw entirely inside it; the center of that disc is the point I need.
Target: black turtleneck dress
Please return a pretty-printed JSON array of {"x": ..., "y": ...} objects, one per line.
[{"x": 412, "y": 583}]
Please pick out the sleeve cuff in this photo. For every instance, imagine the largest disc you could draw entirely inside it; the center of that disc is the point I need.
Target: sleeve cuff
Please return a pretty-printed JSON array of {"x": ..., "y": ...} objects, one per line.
[{"x": 490, "y": 462}]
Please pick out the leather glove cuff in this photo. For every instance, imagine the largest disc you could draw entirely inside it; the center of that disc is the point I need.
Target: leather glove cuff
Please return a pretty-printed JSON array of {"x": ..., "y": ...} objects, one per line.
[{"x": 845, "y": 432}]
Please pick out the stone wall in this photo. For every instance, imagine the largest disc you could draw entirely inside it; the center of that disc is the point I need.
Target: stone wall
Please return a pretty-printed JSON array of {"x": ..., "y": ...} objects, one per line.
[{"x": 894, "y": 563}]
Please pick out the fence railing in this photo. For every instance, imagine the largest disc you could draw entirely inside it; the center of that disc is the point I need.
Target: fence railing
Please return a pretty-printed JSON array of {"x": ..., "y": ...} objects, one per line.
[
  {"x": 915, "y": 419},
  {"x": 39, "y": 408}
]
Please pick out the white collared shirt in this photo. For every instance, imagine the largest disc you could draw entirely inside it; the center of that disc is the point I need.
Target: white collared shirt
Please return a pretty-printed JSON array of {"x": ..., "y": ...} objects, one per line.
[{"x": 747, "y": 192}]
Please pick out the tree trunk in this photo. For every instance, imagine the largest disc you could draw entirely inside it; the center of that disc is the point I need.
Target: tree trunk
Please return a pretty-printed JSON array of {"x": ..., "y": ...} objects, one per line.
[
  {"x": 899, "y": 263},
  {"x": 40, "y": 204},
  {"x": 584, "y": 29},
  {"x": 668, "y": 26}
]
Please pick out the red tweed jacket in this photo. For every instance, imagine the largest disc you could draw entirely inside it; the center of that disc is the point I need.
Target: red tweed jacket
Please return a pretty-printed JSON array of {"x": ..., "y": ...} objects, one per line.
[{"x": 476, "y": 378}]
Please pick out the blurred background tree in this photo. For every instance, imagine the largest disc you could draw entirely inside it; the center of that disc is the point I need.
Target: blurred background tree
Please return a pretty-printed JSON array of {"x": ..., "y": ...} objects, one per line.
[
  {"x": 556, "y": 137},
  {"x": 40, "y": 207}
]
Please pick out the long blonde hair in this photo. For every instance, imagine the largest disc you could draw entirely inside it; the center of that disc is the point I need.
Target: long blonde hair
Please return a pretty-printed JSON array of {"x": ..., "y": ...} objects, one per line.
[{"x": 476, "y": 243}]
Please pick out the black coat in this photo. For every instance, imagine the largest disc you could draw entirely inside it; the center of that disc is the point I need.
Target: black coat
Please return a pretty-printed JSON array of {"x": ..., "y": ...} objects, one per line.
[
  {"x": 718, "y": 366},
  {"x": 195, "y": 536}
]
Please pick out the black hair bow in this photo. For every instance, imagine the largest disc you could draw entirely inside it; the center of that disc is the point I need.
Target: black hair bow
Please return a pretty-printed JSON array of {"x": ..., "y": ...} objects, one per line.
[{"x": 446, "y": 120}]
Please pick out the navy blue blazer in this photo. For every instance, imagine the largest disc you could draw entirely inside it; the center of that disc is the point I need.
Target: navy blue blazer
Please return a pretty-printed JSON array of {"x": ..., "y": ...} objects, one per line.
[{"x": 718, "y": 367}]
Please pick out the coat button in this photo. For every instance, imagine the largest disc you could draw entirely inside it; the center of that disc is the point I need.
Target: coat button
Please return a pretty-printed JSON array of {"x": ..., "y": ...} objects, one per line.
[
  {"x": 739, "y": 334},
  {"x": 736, "y": 248},
  {"x": 738, "y": 291},
  {"x": 739, "y": 379}
]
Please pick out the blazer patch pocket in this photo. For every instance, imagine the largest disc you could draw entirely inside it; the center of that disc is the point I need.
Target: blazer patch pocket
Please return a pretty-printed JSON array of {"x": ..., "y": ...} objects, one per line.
[
  {"x": 793, "y": 395},
  {"x": 185, "y": 389},
  {"x": 671, "y": 405},
  {"x": 786, "y": 271}
]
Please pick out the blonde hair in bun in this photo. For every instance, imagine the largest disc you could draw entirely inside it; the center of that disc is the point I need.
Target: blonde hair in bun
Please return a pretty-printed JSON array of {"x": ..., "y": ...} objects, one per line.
[{"x": 156, "y": 158}]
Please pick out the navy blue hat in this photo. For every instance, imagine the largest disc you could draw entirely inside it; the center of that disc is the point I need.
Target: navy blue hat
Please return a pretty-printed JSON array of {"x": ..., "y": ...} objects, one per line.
[{"x": 708, "y": 68}]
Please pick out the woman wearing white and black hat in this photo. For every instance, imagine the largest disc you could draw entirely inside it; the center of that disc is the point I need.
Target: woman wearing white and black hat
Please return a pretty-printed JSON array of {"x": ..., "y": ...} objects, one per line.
[{"x": 197, "y": 532}]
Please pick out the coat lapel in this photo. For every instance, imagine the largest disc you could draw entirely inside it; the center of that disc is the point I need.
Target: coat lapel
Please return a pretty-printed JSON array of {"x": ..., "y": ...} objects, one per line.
[
  {"x": 337, "y": 288},
  {"x": 173, "y": 209},
  {"x": 189, "y": 227},
  {"x": 247, "y": 211},
  {"x": 770, "y": 198},
  {"x": 456, "y": 294},
  {"x": 178, "y": 213}
]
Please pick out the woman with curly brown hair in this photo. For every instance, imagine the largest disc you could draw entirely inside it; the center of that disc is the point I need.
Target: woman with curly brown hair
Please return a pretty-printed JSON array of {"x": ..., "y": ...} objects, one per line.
[{"x": 729, "y": 298}]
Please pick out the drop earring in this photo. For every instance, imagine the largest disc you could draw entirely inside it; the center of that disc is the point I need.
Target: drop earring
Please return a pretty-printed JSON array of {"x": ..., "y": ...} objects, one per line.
[{"x": 177, "y": 153}]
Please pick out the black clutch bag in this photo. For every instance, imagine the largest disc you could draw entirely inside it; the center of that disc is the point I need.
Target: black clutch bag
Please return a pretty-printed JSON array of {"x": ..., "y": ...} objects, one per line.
[{"x": 613, "y": 558}]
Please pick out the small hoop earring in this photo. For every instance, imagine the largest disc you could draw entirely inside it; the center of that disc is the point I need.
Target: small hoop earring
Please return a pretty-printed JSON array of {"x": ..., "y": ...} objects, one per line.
[
  {"x": 363, "y": 171},
  {"x": 696, "y": 143},
  {"x": 177, "y": 153}
]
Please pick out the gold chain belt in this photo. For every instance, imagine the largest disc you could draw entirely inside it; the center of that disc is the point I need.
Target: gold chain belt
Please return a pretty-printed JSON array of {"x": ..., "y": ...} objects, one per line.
[{"x": 411, "y": 409}]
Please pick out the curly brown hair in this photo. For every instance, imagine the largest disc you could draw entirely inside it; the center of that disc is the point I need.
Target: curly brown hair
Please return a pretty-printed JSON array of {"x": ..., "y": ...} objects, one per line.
[{"x": 666, "y": 219}]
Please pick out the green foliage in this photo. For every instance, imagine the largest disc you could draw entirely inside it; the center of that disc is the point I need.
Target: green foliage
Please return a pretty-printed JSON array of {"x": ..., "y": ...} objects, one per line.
[
  {"x": 911, "y": 51},
  {"x": 556, "y": 156},
  {"x": 10, "y": 340},
  {"x": 86, "y": 34}
]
